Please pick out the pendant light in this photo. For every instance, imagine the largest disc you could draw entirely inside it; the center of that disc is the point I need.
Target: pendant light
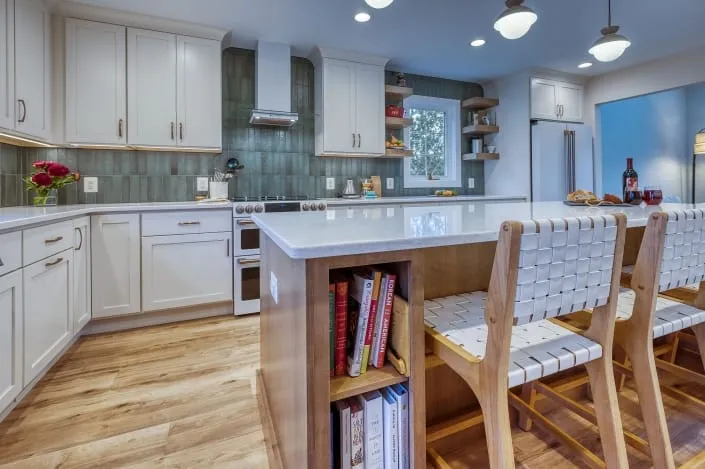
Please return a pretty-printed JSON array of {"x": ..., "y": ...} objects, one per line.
[
  {"x": 378, "y": 4},
  {"x": 516, "y": 20},
  {"x": 611, "y": 45}
]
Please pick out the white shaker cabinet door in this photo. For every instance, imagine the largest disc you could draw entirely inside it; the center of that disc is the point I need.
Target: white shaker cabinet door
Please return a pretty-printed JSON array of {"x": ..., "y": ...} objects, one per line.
[
  {"x": 339, "y": 132},
  {"x": 82, "y": 273},
  {"x": 199, "y": 103},
  {"x": 369, "y": 108},
  {"x": 32, "y": 68},
  {"x": 570, "y": 98},
  {"x": 11, "y": 336},
  {"x": 96, "y": 102},
  {"x": 7, "y": 65},
  {"x": 48, "y": 311},
  {"x": 544, "y": 99},
  {"x": 115, "y": 264},
  {"x": 186, "y": 270},
  {"x": 151, "y": 88}
]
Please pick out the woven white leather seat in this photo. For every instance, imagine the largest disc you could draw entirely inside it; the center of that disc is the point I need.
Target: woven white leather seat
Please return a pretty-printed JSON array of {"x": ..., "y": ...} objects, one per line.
[
  {"x": 670, "y": 316},
  {"x": 538, "y": 349}
]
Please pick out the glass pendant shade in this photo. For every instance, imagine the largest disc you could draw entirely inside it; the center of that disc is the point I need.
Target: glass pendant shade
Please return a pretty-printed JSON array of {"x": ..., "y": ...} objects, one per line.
[
  {"x": 516, "y": 20},
  {"x": 378, "y": 4},
  {"x": 610, "y": 46}
]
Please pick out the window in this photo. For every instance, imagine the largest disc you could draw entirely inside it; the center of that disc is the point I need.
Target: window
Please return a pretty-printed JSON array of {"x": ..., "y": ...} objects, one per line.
[{"x": 434, "y": 137}]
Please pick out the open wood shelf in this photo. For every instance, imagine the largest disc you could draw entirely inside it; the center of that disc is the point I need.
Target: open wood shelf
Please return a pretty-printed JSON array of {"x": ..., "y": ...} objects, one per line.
[
  {"x": 398, "y": 92},
  {"x": 477, "y": 130},
  {"x": 477, "y": 104},
  {"x": 398, "y": 153},
  {"x": 397, "y": 122},
  {"x": 480, "y": 156},
  {"x": 342, "y": 387}
]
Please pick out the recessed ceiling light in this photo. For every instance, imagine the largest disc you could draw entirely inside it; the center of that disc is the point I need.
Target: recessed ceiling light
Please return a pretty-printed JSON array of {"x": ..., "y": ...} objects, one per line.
[
  {"x": 585, "y": 65},
  {"x": 379, "y": 3},
  {"x": 478, "y": 42},
  {"x": 362, "y": 17}
]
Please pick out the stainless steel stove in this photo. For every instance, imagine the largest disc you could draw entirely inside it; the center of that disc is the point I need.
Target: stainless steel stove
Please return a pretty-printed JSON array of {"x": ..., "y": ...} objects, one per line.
[{"x": 244, "y": 206}]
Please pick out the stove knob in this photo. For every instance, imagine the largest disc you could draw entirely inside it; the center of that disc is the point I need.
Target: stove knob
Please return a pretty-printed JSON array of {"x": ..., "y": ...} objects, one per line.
[
  {"x": 249, "y": 209},
  {"x": 305, "y": 207},
  {"x": 259, "y": 208},
  {"x": 240, "y": 209},
  {"x": 314, "y": 207},
  {"x": 321, "y": 206}
]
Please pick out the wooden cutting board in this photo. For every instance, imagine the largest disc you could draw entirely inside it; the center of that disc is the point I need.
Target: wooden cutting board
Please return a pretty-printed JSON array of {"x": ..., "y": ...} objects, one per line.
[{"x": 377, "y": 185}]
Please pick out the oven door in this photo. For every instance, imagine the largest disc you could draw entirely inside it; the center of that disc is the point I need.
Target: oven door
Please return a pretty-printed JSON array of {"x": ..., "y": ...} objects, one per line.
[
  {"x": 246, "y": 239},
  {"x": 246, "y": 288}
]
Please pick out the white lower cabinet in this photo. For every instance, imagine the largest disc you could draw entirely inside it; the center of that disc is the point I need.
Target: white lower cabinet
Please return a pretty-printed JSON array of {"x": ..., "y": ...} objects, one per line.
[
  {"x": 11, "y": 335},
  {"x": 48, "y": 311},
  {"x": 115, "y": 264},
  {"x": 186, "y": 270},
  {"x": 81, "y": 273}
]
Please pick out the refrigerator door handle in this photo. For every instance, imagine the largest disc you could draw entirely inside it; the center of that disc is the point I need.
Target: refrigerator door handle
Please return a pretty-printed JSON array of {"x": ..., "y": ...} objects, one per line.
[
  {"x": 572, "y": 160},
  {"x": 568, "y": 170}
]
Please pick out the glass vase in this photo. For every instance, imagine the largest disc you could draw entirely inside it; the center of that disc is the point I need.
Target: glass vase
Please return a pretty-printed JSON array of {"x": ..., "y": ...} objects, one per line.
[{"x": 47, "y": 199}]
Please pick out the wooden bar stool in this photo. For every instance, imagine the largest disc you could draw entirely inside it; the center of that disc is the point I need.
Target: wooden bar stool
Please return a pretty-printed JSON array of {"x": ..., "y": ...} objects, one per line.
[{"x": 503, "y": 338}]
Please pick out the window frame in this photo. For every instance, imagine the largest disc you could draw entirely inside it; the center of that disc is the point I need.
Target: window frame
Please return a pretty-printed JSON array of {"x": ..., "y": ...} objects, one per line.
[{"x": 453, "y": 157}]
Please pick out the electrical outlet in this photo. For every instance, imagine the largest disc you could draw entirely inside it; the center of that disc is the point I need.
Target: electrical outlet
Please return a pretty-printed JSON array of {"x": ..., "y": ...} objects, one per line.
[
  {"x": 390, "y": 183},
  {"x": 202, "y": 184},
  {"x": 90, "y": 184},
  {"x": 471, "y": 183},
  {"x": 330, "y": 184}
]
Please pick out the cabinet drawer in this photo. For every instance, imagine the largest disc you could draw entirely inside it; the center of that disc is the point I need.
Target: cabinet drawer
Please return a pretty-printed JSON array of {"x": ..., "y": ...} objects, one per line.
[
  {"x": 186, "y": 222},
  {"x": 10, "y": 252},
  {"x": 45, "y": 241}
]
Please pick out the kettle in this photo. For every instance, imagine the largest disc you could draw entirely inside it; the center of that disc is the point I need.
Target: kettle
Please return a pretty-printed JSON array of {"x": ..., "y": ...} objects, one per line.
[{"x": 349, "y": 192}]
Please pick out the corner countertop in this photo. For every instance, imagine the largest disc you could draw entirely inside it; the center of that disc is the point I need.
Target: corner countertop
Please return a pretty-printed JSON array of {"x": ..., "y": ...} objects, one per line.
[
  {"x": 423, "y": 199},
  {"x": 363, "y": 230},
  {"x": 12, "y": 218}
]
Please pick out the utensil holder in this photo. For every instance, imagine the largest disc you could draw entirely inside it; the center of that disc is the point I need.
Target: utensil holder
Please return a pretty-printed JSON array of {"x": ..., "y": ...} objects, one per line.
[{"x": 218, "y": 190}]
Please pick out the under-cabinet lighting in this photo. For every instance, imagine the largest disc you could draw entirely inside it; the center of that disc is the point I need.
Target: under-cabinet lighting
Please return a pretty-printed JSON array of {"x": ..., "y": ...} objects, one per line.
[{"x": 22, "y": 141}]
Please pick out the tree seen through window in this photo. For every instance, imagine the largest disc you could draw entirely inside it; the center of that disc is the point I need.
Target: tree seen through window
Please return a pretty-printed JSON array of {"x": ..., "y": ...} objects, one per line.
[{"x": 427, "y": 140}]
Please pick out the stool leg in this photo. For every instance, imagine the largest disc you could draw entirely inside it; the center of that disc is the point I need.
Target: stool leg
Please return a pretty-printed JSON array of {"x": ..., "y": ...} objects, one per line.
[
  {"x": 528, "y": 395},
  {"x": 699, "y": 331},
  {"x": 620, "y": 356},
  {"x": 609, "y": 420},
  {"x": 651, "y": 403},
  {"x": 498, "y": 431}
]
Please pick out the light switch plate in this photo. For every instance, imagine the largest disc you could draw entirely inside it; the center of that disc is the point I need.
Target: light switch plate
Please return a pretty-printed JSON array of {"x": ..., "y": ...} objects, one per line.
[
  {"x": 90, "y": 184},
  {"x": 390, "y": 183},
  {"x": 471, "y": 183},
  {"x": 202, "y": 184},
  {"x": 274, "y": 287},
  {"x": 330, "y": 184}
]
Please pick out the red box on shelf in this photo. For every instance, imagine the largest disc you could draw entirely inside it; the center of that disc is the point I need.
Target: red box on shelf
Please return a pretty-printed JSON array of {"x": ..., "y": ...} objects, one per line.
[{"x": 394, "y": 111}]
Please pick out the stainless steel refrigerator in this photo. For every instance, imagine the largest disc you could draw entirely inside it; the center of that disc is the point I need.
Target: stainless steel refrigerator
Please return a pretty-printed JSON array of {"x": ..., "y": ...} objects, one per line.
[{"x": 561, "y": 160}]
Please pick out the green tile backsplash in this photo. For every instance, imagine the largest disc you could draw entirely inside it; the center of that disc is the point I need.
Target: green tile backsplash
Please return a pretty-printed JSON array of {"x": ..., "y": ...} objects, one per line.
[{"x": 277, "y": 161}]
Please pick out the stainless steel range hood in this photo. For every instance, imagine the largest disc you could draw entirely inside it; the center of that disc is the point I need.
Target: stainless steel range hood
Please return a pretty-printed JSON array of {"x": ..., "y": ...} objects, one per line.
[{"x": 273, "y": 86}]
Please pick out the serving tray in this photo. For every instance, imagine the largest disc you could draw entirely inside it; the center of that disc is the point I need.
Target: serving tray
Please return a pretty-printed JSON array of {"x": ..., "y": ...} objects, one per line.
[{"x": 601, "y": 204}]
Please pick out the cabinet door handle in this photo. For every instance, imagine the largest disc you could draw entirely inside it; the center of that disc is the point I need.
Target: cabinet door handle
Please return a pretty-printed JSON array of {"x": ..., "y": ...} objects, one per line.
[
  {"x": 24, "y": 110},
  {"x": 1, "y": 262},
  {"x": 181, "y": 131},
  {"x": 353, "y": 140},
  {"x": 558, "y": 110},
  {"x": 227, "y": 248},
  {"x": 52, "y": 264},
  {"x": 80, "y": 233},
  {"x": 359, "y": 140},
  {"x": 189, "y": 223},
  {"x": 172, "y": 131},
  {"x": 120, "y": 128},
  {"x": 53, "y": 240}
]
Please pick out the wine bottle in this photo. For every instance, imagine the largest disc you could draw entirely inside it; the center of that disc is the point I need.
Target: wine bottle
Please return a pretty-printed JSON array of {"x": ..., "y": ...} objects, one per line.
[{"x": 630, "y": 180}]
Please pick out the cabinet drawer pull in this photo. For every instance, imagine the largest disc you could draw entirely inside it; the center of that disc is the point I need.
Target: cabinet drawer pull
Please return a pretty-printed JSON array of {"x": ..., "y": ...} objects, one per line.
[
  {"x": 247, "y": 261},
  {"x": 245, "y": 222},
  {"x": 53, "y": 240},
  {"x": 52, "y": 264},
  {"x": 189, "y": 223}
]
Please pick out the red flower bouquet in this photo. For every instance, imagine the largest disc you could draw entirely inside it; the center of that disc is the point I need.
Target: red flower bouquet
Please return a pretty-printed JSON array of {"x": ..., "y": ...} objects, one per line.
[{"x": 46, "y": 177}]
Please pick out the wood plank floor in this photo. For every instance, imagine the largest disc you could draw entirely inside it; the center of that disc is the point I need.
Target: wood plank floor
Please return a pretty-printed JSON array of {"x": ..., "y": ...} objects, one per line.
[{"x": 183, "y": 396}]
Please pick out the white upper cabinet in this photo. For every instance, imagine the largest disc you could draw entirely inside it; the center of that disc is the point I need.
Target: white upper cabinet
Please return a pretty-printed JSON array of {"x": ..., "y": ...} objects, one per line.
[
  {"x": 96, "y": 102},
  {"x": 115, "y": 255},
  {"x": 349, "y": 105},
  {"x": 556, "y": 100},
  {"x": 11, "y": 336},
  {"x": 151, "y": 88},
  {"x": 32, "y": 69},
  {"x": 198, "y": 97},
  {"x": 7, "y": 65}
]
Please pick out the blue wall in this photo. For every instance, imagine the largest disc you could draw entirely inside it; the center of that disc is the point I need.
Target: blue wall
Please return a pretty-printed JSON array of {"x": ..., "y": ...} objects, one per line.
[
  {"x": 652, "y": 130},
  {"x": 695, "y": 121}
]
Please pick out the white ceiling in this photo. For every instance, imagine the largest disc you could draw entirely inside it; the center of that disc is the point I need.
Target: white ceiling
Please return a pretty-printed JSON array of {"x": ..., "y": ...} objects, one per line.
[{"x": 431, "y": 37}]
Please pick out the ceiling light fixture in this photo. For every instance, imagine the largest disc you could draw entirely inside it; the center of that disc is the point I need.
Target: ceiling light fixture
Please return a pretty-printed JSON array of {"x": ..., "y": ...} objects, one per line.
[
  {"x": 516, "y": 20},
  {"x": 611, "y": 45},
  {"x": 378, "y": 4},
  {"x": 585, "y": 65},
  {"x": 362, "y": 17},
  {"x": 477, "y": 43}
]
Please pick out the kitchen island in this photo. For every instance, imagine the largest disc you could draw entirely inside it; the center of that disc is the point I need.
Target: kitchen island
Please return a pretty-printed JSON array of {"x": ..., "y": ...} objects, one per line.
[{"x": 435, "y": 251}]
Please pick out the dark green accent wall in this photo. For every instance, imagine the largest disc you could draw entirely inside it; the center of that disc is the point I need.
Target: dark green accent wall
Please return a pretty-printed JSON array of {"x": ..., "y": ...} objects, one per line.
[{"x": 277, "y": 161}]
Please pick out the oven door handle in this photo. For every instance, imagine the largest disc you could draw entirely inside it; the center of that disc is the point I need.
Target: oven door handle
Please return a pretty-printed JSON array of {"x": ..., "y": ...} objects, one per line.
[
  {"x": 245, "y": 222},
  {"x": 248, "y": 261}
]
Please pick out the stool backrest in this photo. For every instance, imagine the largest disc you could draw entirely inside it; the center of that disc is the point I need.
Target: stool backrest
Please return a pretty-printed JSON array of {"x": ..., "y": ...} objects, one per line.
[
  {"x": 565, "y": 265},
  {"x": 683, "y": 259}
]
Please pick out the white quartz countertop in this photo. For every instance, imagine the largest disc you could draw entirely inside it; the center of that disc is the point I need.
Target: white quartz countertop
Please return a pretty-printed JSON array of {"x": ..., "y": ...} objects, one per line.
[
  {"x": 424, "y": 199},
  {"x": 12, "y": 218},
  {"x": 360, "y": 230}
]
